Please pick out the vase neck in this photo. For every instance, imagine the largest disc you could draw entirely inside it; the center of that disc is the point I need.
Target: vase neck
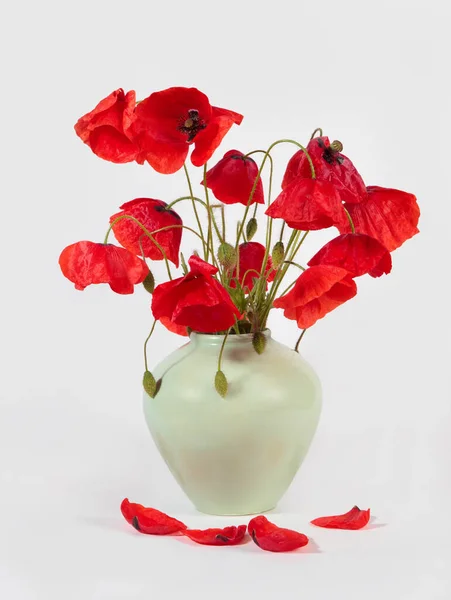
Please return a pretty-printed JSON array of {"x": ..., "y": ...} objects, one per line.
[{"x": 206, "y": 339}]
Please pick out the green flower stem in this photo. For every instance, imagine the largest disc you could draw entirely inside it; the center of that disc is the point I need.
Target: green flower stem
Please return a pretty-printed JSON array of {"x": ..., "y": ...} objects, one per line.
[
  {"x": 288, "y": 288},
  {"x": 209, "y": 233},
  {"x": 215, "y": 225},
  {"x": 318, "y": 129},
  {"x": 296, "y": 348},
  {"x": 177, "y": 200},
  {"x": 282, "y": 229},
  {"x": 145, "y": 344},
  {"x": 351, "y": 222},
  {"x": 221, "y": 352},
  {"x": 290, "y": 262},
  {"x": 201, "y": 231},
  {"x": 149, "y": 235}
]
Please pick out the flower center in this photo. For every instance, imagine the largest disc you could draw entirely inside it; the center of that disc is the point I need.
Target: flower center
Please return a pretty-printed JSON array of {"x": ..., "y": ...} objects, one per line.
[
  {"x": 331, "y": 153},
  {"x": 191, "y": 125}
]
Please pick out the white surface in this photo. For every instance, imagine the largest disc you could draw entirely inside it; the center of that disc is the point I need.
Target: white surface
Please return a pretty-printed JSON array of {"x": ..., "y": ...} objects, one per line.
[{"x": 73, "y": 441}]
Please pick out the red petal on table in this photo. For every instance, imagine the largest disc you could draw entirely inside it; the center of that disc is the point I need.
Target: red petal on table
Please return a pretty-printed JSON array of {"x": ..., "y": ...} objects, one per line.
[
  {"x": 354, "y": 519},
  {"x": 150, "y": 520},
  {"x": 272, "y": 538},
  {"x": 229, "y": 536}
]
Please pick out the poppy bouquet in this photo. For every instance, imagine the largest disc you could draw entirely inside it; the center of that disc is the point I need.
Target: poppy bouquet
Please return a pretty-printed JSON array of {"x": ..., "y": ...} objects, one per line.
[{"x": 230, "y": 283}]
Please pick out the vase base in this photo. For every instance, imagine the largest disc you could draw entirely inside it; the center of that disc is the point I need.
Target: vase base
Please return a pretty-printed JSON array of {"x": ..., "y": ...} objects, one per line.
[{"x": 237, "y": 513}]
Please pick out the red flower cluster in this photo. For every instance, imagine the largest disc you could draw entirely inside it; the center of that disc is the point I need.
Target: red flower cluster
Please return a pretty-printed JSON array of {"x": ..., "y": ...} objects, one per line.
[
  {"x": 266, "y": 535},
  {"x": 159, "y": 129}
]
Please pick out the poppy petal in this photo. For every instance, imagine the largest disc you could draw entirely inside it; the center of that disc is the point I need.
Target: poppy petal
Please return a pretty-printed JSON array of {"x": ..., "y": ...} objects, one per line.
[
  {"x": 251, "y": 255},
  {"x": 354, "y": 519},
  {"x": 357, "y": 253},
  {"x": 150, "y": 520},
  {"x": 228, "y": 536},
  {"x": 173, "y": 327},
  {"x": 207, "y": 140},
  {"x": 270, "y": 537},
  {"x": 112, "y": 145},
  {"x": 388, "y": 215}
]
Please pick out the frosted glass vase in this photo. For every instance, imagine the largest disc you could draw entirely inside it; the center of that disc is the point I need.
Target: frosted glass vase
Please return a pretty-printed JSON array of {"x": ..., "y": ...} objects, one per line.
[{"x": 235, "y": 455}]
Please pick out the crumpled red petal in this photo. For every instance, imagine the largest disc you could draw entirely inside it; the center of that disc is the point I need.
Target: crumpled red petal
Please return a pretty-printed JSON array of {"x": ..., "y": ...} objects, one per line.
[
  {"x": 334, "y": 167},
  {"x": 272, "y": 538},
  {"x": 308, "y": 204},
  {"x": 354, "y": 519},
  {"x": 317, "y": 291},
  {"x": 390, "y": 216},
  {"x": 85, "y": 263},
  {"x": 153, "y": 215},
  {"x": 173, "y": 327},
  {"x": 197, "y": 300},
  {"x": 233, "y": 177},
  {"x": 106, "y": 129},
  {"x": 150, "y": 520},
  {"x": 228, "y": 536},
  {"x": 357, "y": 253},
  {"x": 252, "y": 255},
  {"x": 207, "y": 140}
]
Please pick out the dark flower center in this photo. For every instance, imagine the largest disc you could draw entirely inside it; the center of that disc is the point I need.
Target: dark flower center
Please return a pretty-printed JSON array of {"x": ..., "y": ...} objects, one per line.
[
  {"x": 192, "y": 125},
  {"x": 331, "y": 153}
]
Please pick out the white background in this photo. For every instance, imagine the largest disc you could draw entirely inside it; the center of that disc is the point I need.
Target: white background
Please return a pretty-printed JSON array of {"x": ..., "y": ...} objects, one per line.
[{"x": 73, "y": 441}]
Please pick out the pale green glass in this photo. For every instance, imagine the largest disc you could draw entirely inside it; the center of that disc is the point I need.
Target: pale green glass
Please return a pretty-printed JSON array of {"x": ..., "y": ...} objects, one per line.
[{"x": 235, "y": 455}]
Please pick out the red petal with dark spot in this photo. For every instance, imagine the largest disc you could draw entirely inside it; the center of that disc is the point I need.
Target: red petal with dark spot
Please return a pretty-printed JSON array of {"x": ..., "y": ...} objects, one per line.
[
  {"x": 150, "y": 520},
  {"x": 228, "y": 536},
  {"x": 272, "y": 538},
  {"x": 354, "y": 519}
]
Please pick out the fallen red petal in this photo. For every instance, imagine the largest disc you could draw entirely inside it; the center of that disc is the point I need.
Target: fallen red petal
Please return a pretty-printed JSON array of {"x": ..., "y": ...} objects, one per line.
[
  {"x": 228, "y": 536},
  {"x": 354, "y": 519},
  {"x": 272, "y": 538},
  {"x": 150, "y": 520}
]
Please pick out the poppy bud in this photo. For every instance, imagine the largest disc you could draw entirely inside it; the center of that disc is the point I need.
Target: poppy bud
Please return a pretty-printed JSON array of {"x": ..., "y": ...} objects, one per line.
[
  {"x": 227, "y": 255},
  {"x": 278, "y": 254},
  {"x": 337, "y": 146},
  {"x": 251, "y": 228},
  {"x": 149, "y": 384},
  {"x": 221, "y": 384},
  {"x": 259, "y": 342},
  {"x": 149, "y": 282}
]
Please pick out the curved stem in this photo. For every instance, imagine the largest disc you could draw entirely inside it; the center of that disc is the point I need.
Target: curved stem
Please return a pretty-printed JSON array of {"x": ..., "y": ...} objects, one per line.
[
  {"x": 177, "y": 227},
  {"x": 177, "y": 200},
  {"x": 282, "y": 229},
  {"x": 145, "y": 344},
  {"x": 209, "y": 232},
  {"x": 149, "y": 235},
  {"x": 222, "y": 348},
  {"x": 290, "y": 262},
  {"x": 351, "y": 222},
  {"x": 190, "y": 187},
  {"x": 316, "y": 131},
  {"x": 296, "y": 348}
]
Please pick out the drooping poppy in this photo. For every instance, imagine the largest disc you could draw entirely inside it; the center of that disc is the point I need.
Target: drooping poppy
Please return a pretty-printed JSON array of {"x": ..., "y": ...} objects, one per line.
[
  {"x": 85, "y": 263},
  {"x": 169, "y": 121},
  {"x": 154, "y": 215},
  {"x": 106, "y": 129},
  {"x": 272, "y": 538},
  {"x": 390, "y": 216},
  {"x": 233, "y": 177},
  {"x": 150, "y": 520},
  {"x": 197, "y": 300},
  {"x": 317, "y": 291},
  {"x": 308, "y": 204},
  {"x": 252, "y": 255},
  {"x": 357, "y": 253},
  {"x": 354, "y": 519},
  {"x": 228, "y": 536},
  {"x": 330, "y": 165}
]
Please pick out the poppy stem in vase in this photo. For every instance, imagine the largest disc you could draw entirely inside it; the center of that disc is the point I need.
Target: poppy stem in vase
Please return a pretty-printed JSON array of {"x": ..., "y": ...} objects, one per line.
[
  {"x": 146, "y": 342},
  {"x": 146, "y": 232},
  {"x": 196, "y": 214}
]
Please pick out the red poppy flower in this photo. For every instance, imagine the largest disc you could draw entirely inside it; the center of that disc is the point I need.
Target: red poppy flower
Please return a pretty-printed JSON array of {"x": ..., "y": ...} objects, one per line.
[
  {"x": 197, "y": 300},
  {"x": 173, "y": 327},
  {"x": 390, "y": 216},
  {"x": 150, "y": 520},
  {"x": 106, "y": 129},
  {"x": 357, "y": 253},
  {"x": 354, "y": 519},
  {"x": 272, "y": 538},
  {"x": 167, "y": 122},
  {"x": 251, "y": 262},
  {"x": 232, "y": 179},
  {"x": 154, "y": 215},
  {"x": 330, "y": 165},
  {"x": 229, "y": 536},
  {"x": 85, "y": 263},
  {"x": 317, "y": 292},
  {"x": 308, "y": 204}
]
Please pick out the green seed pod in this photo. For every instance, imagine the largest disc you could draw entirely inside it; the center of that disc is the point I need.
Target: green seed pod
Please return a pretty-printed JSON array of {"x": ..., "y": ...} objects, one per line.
[
  {"x": 251, "y": 228},
  {"x": 149, "y": 282},
  {"x": 337, "y": 146},
  {"x": 149, "y": 384},
  {"x": 221, "y": 384},
  {"x": 278, "y": 254},
  {"x": 227, "y": 255},
  {"x": 259, "y": 342}
]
